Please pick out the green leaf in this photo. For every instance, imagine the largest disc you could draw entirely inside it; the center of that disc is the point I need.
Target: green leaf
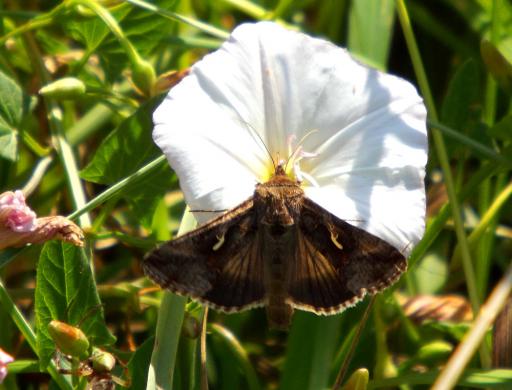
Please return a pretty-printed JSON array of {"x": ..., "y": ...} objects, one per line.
[
  {"x": 431, "y": 274},
  {"x": 502, "y": 129},
  {"x": 311, "y": 347},
  {"x": 370, "y": 30},
  {"x": 11, "y": 110},
  {"x": 472, "y": 378},
  {"x": 462, "y": 95},
  {"x": 8, "y": 143},
  {"x": 125, "y": 150},
  {"x": 139, "y": 363},
  {"x": 66, "y": 291},
  {"x": 144, "y": 30},
  {"x": 498, "y": 60}
]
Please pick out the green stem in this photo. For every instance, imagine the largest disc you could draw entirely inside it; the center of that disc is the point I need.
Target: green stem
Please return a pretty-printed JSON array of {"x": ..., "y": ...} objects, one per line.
[
  {"x": 168, "y": 329},
  {"x": 119, "y": 186},
  {"x": 62, "y": 146},
  {"x": 484, "y": 251},
  {"x": 475, "y": 145},
  {"x": 445, "y": 166},
  {"x": 355, "y": 341},
  {"x": 437, "y": 224},
  {"x": 213, "y": 31},
  {"x": 487, "y": 220},
  {"x": 114, "y": 27},
  {"x": 475, "y": 337},
  {"x": 34, "y": 146},
  {"x": 88, "y": 124}
]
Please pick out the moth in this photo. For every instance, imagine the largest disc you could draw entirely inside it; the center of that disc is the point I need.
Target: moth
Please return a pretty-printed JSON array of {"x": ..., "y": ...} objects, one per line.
[{"x": 280, "y": 250}]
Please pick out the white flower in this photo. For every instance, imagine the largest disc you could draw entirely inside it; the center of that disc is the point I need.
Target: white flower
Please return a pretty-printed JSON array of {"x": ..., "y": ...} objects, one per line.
[
  {"x": 366, "y": 129},
  {"x": 5, "y": 359}
]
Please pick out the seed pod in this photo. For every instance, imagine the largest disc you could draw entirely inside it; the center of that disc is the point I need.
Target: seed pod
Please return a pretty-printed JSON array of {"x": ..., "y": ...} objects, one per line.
[
  {"x": 65, "y": 88},
  {"x": 102, "y": 361}
]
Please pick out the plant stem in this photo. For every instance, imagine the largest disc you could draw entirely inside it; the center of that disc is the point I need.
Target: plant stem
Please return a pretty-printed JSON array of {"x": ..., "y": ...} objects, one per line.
[
  {"x": 204, "y": 372},
  {"x": 168, "y": 329},
  {"x": 119, "y": 186},
  {"x": 213, "y": 31},
  {"x": 445, "y": 166},
  {"x": 62, "y": 146},
  {"x": 462, "y": 355},
  {"x": 343, "y": 369}
]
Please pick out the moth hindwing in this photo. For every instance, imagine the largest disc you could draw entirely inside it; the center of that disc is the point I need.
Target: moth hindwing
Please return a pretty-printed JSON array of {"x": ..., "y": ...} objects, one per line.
[{"x": 280, "y": 250}]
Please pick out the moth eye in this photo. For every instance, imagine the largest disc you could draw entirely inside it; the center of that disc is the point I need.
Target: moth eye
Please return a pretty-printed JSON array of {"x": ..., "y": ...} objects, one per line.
[{"x": 219, "y": 243}]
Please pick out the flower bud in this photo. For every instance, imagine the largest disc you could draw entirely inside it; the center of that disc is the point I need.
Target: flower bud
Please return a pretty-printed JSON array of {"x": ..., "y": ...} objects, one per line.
[
  {"x": 69, "y": 339},
  {"x": 143, "y": 76},
  {"x": 65, "y": 88},
  {"x": 102, "y": 361},
  {"x": 358, "y": 380},
  {"x": 434, "y": 351}
]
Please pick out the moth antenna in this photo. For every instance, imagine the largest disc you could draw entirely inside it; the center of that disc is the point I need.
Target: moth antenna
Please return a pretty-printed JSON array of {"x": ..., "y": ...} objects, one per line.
[
  {"x": 297, "y": 148},
  {"x": 254, "y": 132}
]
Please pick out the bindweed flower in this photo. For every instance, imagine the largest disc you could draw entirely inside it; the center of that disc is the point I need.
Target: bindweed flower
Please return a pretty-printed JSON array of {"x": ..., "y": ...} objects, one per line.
[
  {"x": 5, "y": 359},
  {"x": 355, "y": 137},
  {"x": 19, "y": 225}
]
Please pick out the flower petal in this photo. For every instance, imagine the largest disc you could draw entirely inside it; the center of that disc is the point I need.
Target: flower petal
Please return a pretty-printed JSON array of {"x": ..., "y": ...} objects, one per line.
[
  {"x": 371, "y": 171},
  {"x": 14, "y": 213},
  {"x": 265, "y": 81},
  {"x": 5, "y": 359}
]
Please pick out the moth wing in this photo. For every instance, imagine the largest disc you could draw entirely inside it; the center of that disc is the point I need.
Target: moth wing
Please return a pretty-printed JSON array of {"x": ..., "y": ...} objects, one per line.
[
  {"x": 218, "y": 264},
  {"x": 337, "y": 264}
]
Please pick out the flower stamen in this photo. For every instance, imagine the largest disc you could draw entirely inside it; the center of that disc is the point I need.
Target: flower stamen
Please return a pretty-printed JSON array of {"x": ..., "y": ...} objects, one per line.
[{"x": 296, "y": 155}]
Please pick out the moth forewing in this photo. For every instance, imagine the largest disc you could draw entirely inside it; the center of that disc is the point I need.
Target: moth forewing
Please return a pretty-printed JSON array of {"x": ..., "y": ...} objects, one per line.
[{"x": 280, "y": 250}]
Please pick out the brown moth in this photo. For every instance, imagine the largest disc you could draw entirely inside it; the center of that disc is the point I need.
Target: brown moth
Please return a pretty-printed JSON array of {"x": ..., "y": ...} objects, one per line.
[{"x": 280, "y": 250}]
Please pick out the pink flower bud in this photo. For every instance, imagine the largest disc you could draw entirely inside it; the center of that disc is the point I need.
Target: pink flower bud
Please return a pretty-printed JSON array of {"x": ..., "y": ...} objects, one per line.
[{"x": 19, "y": 225}]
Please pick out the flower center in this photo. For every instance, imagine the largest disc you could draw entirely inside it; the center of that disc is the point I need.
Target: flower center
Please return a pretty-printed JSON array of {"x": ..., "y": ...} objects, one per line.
[{"x": 296, "y": 154}]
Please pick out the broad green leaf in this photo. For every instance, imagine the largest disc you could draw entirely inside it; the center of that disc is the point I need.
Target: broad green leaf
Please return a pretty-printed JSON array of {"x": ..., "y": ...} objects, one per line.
[
  {"x": 144, "y": 30},
  {"x": 430, "y": 274},
  {"x": 370, "y": 30},
  {"x": 66, "y": 291},
  {"x": 8, "y": 143},
  {"x": 126, "y": 149},
  {"x": 11, "y": 110},
  {"x": 462, "y": 96},
  {"x": 311, "y": 347}
]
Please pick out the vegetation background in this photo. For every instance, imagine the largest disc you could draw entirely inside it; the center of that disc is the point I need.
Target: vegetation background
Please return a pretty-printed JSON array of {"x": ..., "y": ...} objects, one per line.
[{"x": 88, "y": 154}]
